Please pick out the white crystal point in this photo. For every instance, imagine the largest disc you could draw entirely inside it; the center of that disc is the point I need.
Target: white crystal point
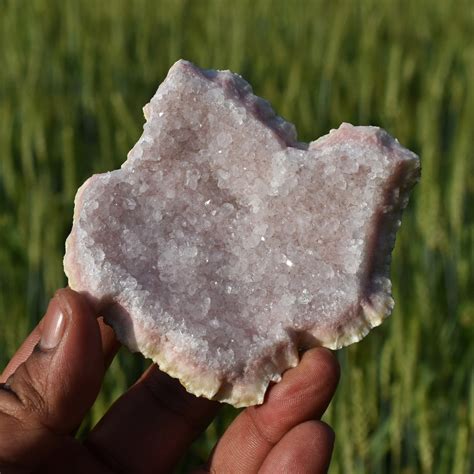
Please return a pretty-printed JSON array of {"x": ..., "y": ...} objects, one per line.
[{"x": 223, "y": 245}]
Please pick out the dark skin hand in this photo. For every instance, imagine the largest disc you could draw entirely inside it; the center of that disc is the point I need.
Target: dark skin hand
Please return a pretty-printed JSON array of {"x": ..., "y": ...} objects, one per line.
[{"x": 54, "y": 378}]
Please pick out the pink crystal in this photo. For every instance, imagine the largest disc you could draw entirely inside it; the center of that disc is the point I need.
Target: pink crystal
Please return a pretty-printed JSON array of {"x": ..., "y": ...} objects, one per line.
[{"x": 223, "y": 245}]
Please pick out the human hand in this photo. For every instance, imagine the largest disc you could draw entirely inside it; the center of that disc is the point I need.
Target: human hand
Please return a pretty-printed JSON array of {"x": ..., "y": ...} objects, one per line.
[{"x": 54, "y": 378}]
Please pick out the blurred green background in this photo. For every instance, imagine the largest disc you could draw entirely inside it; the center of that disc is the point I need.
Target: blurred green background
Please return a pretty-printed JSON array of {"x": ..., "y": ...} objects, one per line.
[{"x": 74, "y": 76}]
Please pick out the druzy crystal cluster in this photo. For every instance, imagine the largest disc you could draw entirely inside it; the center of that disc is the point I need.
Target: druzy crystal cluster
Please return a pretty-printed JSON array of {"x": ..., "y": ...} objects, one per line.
[{"x": 223, "y": 245}]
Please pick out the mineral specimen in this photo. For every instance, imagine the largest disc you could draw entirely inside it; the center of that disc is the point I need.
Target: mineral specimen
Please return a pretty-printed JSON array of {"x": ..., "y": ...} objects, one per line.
[{"x": 223, "y": 245}]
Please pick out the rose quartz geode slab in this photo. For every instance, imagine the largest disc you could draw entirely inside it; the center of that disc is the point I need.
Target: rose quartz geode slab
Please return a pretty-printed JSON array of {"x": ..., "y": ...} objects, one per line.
[{"x": 223, "y": 246}]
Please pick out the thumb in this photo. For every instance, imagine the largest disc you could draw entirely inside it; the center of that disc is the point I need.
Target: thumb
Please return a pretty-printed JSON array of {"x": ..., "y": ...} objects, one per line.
[{"x": 49, "y": 394}]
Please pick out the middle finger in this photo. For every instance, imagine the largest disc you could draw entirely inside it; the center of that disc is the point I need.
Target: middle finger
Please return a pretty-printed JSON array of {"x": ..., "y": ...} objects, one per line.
[{"x": 149, "y": 428}]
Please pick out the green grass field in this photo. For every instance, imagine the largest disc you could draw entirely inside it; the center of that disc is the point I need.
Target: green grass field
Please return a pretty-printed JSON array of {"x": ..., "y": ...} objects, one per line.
[{"x": 73, "y": 78}]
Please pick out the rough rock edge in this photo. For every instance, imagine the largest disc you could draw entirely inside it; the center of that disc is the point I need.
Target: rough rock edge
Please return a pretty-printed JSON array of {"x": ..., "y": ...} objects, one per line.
[
  {"x": 369, "y": 313},
  {"x": 239, "y": 394},
  {"x": 378, "y": 302}
]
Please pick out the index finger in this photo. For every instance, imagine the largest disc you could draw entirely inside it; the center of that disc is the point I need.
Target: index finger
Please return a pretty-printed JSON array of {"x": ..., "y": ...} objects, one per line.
[{"x": 303, "y": 394}]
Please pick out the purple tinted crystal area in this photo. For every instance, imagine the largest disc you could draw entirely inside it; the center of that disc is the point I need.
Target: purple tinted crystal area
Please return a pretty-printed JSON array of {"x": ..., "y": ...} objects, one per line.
[{"x": 223, "y": 245}]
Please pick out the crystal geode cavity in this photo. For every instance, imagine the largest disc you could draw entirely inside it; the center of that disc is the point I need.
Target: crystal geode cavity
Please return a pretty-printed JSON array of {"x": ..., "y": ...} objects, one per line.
[{"x": 223, "y": 245}]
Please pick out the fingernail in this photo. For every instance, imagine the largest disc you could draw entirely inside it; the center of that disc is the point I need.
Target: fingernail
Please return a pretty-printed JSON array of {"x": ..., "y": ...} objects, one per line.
[{"x": 54, "y": 324}]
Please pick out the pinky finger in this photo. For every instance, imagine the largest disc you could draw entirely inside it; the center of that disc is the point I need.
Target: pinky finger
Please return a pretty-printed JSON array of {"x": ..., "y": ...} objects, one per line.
[{"x": 305, "y": 449}]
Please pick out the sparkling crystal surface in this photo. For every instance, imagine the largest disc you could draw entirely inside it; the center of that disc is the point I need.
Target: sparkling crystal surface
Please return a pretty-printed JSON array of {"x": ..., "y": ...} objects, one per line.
[{"x": 223, "y": 245}]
